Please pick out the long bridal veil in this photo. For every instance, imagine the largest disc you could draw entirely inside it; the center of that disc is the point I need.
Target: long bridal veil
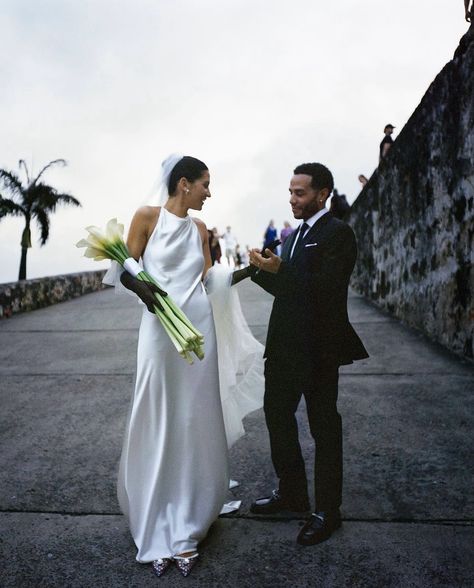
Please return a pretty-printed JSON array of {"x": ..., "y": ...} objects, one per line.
[{"x": 240, "y": 355}]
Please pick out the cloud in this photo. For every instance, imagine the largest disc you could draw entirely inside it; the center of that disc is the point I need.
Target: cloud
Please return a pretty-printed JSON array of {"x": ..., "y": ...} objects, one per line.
[{"x": 252, "y": 88}]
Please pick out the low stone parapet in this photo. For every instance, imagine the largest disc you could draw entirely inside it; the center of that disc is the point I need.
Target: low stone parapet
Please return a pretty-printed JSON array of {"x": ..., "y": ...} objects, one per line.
[{"x": 27, "y": 295}]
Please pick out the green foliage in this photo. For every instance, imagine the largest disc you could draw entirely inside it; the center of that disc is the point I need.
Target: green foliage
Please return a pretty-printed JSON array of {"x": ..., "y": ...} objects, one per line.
[{"x": 33, "y": 199}]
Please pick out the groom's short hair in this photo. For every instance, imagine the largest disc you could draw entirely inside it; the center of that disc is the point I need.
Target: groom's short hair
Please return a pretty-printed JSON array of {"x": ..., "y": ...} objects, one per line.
[{"x": 321, "y": 177}]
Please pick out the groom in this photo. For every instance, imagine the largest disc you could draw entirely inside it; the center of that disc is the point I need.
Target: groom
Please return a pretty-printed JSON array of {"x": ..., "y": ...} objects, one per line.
[{"x": 309, "y": 337}]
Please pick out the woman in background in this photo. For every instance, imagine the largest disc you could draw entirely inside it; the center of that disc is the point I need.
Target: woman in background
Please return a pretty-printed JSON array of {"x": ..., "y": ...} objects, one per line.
[{"x": 270, "y": 234}]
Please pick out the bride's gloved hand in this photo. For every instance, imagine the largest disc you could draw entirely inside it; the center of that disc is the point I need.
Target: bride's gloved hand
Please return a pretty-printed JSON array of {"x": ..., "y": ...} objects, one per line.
[
  {"x": 241, "y": 274},
  {"x": 144, "y": 290},
  {"x": 250, "y": 270}
]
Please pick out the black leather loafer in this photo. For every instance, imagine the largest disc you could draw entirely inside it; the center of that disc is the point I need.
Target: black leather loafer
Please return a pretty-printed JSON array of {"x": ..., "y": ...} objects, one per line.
[
  {"x": 319, "y": 528},
  {"x": 275, "y": 504}
]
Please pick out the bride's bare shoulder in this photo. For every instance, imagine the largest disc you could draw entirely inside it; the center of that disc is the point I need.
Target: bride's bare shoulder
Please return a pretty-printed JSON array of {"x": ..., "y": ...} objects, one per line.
[
  {"x": 201, "y": 226},
  {"x": 148, "y": 213},
  {"x": 146, "y": 217}
]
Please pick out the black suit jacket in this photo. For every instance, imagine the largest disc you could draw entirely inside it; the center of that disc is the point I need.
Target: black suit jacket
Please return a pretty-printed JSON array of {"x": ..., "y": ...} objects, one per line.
[{"x": 309, "y": 318}]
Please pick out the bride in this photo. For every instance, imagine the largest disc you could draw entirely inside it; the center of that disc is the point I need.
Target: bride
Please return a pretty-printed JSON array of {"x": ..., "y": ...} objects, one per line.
[{"x": 173, "y": 476}]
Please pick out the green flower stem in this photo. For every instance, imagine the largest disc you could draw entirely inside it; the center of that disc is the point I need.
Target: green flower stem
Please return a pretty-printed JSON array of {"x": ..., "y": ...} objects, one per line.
[
  {"x": 171, "y": 328},
  {"x": 188, "y": 357},
  {"x": 118, "y": 253},
  {"x": 187, "y": 328},
  {"x": 180, "y": 314},
  {"x": 199, "y": 352},
  {"x": 182, "y": 328},
  {"x": 179, "y": 348}
]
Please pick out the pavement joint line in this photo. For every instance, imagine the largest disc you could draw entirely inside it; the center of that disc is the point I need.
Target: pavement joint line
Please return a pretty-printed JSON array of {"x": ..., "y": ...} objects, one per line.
[
  {"x": 396, "y": 520},
  {"x": 347, "y": 375},
  {"x": 269, "y": 519},
  {"x": 68, "y": 375},
  {"x": 72, "y": 331},
  {"x": 135, "y": 328}
]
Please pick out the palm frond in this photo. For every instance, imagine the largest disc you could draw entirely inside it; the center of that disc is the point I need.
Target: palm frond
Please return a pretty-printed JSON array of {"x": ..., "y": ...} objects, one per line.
[
  {"x": 8, "y": 206},
  {"x": 61, "y": 162},
  {"x": 46, "y": 197},
  {"x": 12, "y": 183},
  {"x": 42, "y": 218},
  {"x": 65, "y": 198},
  {"x": 22, "y": 164},
  {"x": 42, "y": 197},
  {"x": 35, "y": 199}
]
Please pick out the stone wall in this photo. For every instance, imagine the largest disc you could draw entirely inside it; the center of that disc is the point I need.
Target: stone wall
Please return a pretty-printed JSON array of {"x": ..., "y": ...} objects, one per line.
[
  {"x": 414, "y": 220},
  {"x": 32, "y": 294}
]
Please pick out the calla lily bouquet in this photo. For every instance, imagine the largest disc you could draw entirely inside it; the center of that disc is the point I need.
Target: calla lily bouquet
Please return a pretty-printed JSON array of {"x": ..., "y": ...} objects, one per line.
[{"x": 110, "y": 245}]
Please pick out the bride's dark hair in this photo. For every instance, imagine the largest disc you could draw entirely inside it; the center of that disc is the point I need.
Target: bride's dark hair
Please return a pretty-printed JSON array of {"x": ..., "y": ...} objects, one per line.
[{"x": 188, "y": 167}]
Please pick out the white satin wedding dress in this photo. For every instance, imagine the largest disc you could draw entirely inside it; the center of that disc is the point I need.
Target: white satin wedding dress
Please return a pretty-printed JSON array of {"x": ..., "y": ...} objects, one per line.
[{"x": 173, "y": 475}]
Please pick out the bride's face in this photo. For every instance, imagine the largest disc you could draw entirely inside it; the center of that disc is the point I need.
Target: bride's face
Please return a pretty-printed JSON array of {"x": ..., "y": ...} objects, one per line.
[{"x": 199, "y": 191}]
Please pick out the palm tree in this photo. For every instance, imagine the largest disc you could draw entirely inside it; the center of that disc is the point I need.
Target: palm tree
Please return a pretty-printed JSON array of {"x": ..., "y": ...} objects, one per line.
[{"x": 34, "y": 200}]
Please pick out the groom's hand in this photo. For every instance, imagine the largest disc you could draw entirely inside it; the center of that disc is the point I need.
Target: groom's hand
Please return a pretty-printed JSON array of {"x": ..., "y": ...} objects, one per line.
[{"x": 270, "y": 263}]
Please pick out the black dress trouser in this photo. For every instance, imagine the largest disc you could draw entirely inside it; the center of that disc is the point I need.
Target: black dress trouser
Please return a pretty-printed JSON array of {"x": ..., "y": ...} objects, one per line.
[{"x": 284, "y": 386}]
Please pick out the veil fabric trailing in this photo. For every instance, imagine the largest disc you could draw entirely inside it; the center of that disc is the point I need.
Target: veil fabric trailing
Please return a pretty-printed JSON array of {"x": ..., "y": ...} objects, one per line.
[{"x": 240, "y": 355}]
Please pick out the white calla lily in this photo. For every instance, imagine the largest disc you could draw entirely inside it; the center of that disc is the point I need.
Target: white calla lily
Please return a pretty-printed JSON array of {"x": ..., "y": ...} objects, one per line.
[
  {"x": 95, "y": 234},
  {"x": 93, "y": 252},
  {"x": 83, "y": 243},
  {"x": 114, "y": 231}
]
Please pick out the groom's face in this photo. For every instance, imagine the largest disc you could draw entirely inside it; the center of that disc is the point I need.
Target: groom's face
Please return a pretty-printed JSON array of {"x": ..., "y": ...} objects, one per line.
[{"x": 305, "y": 201}]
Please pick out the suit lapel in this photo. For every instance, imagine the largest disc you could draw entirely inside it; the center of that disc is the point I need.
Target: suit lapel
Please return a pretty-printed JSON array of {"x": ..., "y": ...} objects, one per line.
[
  {"x": 312, "y": 235},
  {"x": 285, "y": 252}
]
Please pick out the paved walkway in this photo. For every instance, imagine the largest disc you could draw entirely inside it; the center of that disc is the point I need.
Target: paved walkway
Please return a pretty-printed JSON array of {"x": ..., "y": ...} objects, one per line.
[{"x": 66, "y": 378}]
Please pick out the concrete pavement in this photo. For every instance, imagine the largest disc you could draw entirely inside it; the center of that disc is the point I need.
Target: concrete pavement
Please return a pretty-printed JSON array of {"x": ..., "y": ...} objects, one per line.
[{"x": 66, "y": 376}]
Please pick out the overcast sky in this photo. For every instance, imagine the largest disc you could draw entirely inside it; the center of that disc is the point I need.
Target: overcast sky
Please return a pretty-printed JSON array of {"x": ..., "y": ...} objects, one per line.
[{"x": 252, "y": 87}]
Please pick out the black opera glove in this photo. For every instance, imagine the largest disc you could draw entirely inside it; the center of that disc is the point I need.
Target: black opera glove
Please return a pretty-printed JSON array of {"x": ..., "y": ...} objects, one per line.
[
  {"x": 251, "y": 270},
  {"x": 241, "y": 274},
  {"x": 144, "y": 290}
]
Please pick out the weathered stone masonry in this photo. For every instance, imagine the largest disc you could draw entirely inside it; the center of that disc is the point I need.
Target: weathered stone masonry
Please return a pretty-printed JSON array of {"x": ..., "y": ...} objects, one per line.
[
  {"x": 32, "y": 294},
  {"x": 414, "y": 220}
]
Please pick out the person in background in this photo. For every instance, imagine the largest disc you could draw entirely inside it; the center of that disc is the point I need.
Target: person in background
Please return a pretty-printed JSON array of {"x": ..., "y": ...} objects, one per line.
[
  {"x": 362, "y": 179},
  {"x": 214, "y": 246},
  {"x": 467, "y": 11},
  {"x": 270, "y": 234},
  {"x": 238, "y": 257},
  {"x": 229, "y": 243},
  {"x": 245, "y": 256},
  {"x": 285, "y": 232},
  {"x": 339, "y": 205},
  {"x": 386, "y": 142}
]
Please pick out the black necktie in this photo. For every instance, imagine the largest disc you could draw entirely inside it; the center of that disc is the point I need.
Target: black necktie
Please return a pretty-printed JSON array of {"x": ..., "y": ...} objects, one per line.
[{"x": 299, "y": 241}]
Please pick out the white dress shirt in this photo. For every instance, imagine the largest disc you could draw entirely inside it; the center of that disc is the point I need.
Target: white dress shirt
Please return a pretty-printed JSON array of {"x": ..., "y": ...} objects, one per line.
[{"x": 310, "y": 222}]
